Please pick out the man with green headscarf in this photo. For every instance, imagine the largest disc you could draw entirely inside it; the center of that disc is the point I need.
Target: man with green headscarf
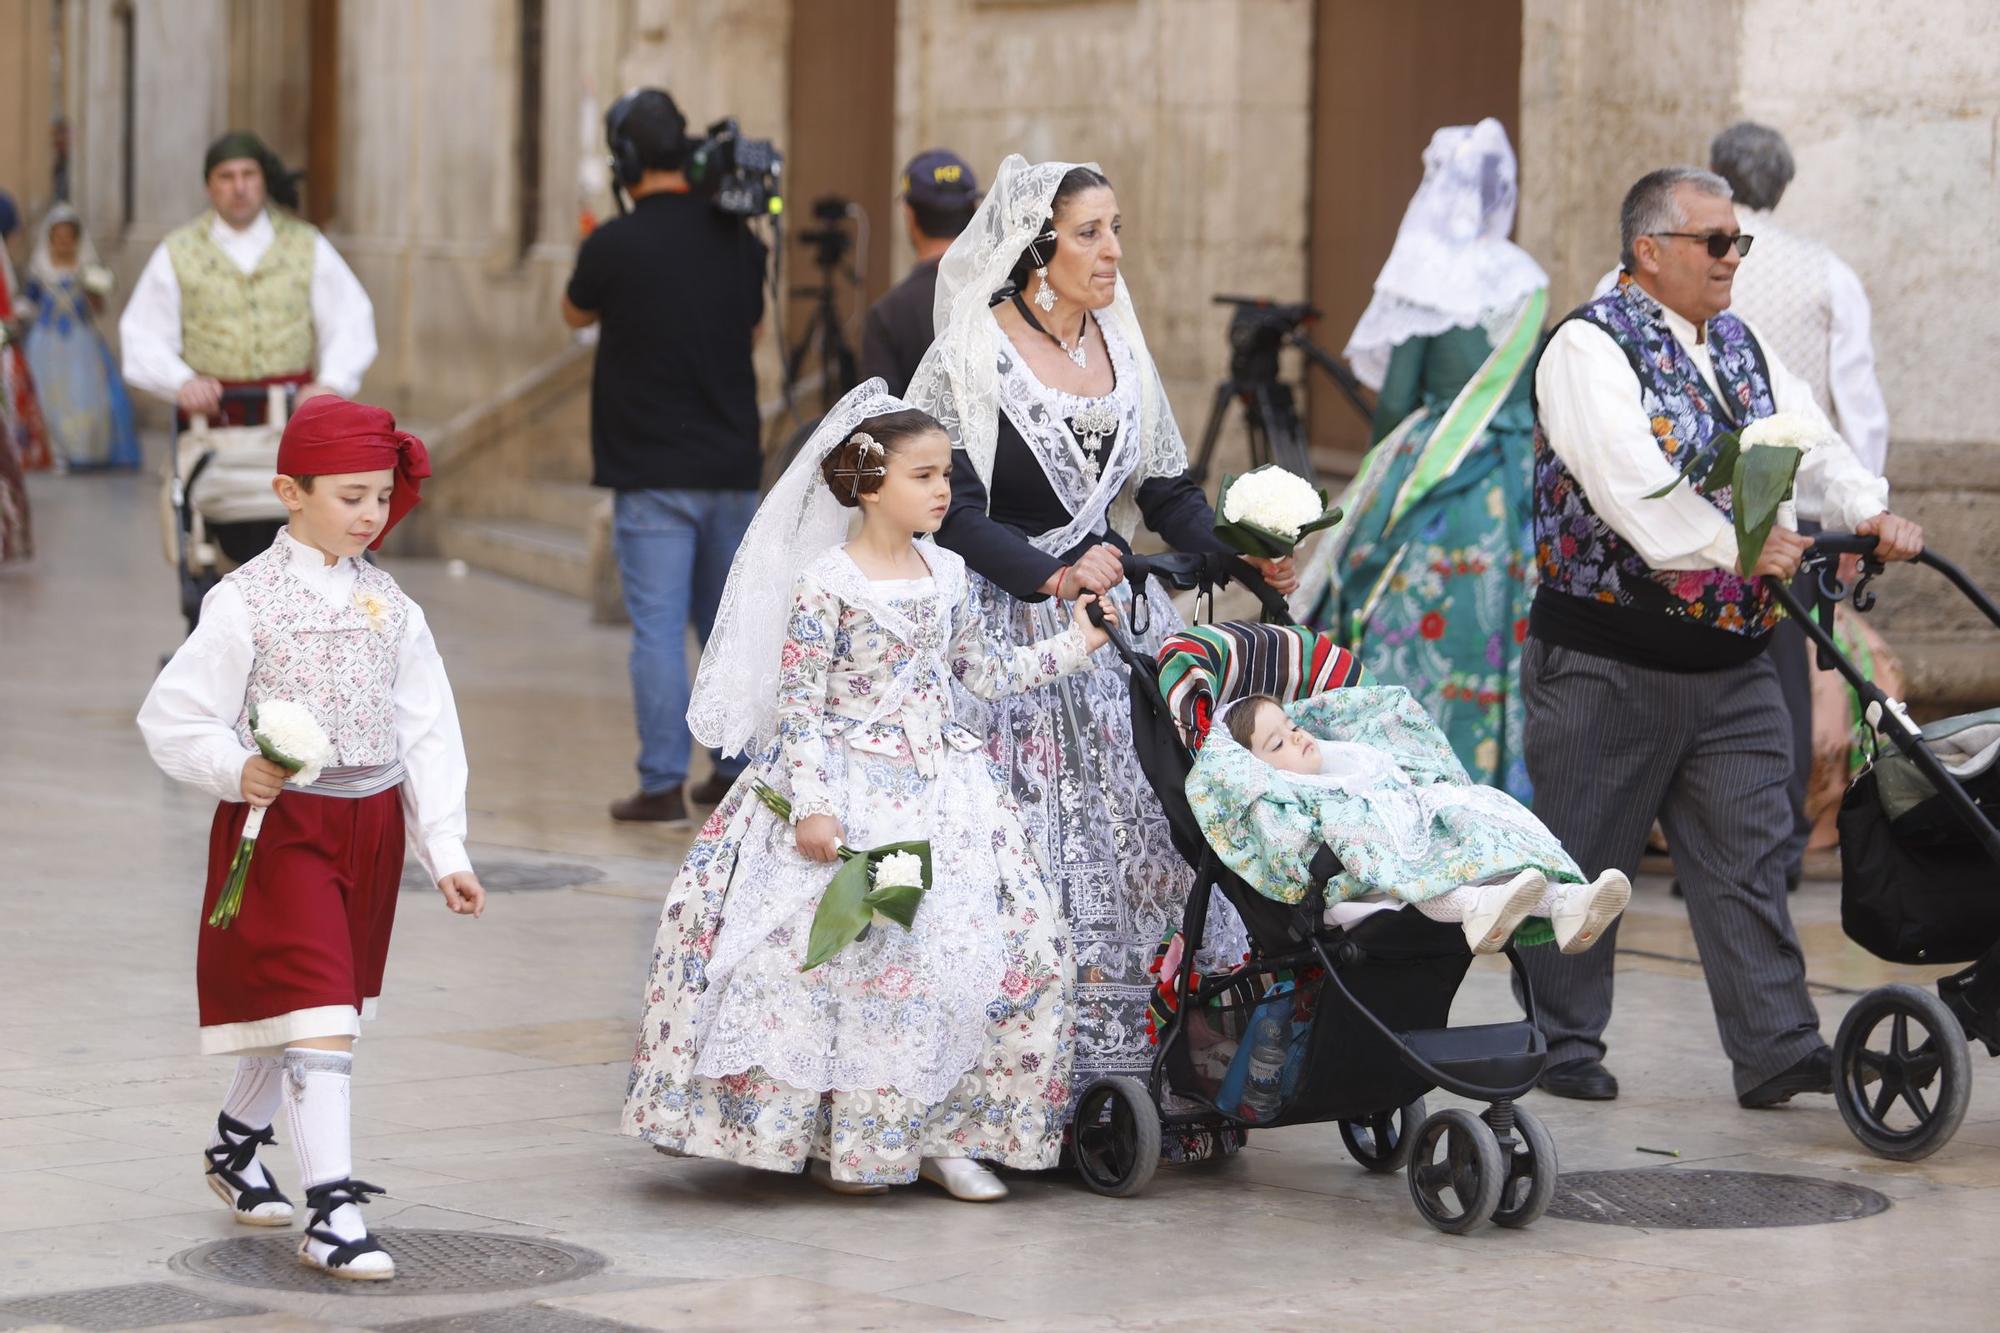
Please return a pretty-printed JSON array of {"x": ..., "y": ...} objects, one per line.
[{"x": 245, "y": 295}]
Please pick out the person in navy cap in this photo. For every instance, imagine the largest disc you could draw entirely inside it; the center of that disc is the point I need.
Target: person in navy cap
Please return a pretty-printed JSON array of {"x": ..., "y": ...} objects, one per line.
[{"x": 940, "y": 194}]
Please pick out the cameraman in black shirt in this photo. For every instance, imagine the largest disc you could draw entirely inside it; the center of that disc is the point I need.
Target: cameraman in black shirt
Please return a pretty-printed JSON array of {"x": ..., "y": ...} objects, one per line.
[
  {"x": 677, "y": 289},
  {"x": 940, "y": 195}
]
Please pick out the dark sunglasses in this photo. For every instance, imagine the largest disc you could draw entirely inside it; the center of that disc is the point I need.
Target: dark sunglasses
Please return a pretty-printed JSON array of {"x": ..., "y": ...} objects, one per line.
[{"x": 1718, "y": 243}]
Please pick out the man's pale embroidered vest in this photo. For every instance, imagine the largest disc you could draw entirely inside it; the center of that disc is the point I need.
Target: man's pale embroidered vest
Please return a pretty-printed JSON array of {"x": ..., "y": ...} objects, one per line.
[
  {"x": 245, "y": 326},
  {"x": 1783, "y": 288},
  {"x": 337, "y": 661},
  {"x": 1578, "y": 552}
]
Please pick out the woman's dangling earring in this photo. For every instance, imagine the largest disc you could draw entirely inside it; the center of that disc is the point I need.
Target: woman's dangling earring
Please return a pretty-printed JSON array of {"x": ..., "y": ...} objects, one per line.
[{"x": 1045, "y": 295}]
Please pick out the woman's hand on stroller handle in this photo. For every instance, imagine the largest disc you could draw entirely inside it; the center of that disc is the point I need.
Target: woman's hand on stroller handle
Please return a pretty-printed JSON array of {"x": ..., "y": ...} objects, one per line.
[{"x": 1098, "y": 570}]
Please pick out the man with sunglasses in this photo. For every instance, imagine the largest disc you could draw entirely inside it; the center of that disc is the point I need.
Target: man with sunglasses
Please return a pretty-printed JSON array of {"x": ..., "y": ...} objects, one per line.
[{"x": 1648, "y": 690}]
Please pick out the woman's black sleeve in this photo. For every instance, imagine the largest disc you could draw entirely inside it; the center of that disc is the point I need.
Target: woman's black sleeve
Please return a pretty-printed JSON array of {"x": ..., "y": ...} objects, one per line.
[
  {"x": 1176, "y": 509},
  {"x": 992, "y": 549}
]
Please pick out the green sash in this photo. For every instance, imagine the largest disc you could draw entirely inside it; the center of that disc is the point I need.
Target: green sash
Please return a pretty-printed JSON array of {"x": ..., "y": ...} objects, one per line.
[{"x": 1459, "y": 430}]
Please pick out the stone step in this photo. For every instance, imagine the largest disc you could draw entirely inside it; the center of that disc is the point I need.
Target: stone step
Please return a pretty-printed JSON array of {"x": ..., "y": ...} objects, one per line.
[
  {"x": 564, "y": 504},
  {"x": 548, "y": 555}
]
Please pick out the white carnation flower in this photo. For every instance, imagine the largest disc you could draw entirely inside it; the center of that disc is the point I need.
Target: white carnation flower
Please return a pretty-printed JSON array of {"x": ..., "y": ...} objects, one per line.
[
  {"x": 291, "y": 730},
  {"x": 1782, "y": 430},
  {"x": 899, "y": 870},
  {"x": 1274, "y": 500}
]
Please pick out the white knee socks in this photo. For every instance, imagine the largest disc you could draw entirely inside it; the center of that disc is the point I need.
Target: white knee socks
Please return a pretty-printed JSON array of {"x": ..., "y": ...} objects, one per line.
[
  {"x": 252, "y": 1100},
  {"x": 316, "y": 1108}
]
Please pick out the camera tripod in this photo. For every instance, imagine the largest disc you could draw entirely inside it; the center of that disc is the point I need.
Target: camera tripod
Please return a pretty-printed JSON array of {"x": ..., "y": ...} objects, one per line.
[
  {"x": 1260, "y": 329},
  {"x": 825, "y": 328}
]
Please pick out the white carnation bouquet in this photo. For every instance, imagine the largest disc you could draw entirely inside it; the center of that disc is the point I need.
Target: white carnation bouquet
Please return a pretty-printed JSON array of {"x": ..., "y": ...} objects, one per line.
[
  {"x": 887, "y": 882},
  {"x": 289, "y": 736},
  {"x": 1267, "y": 511},
  {"x": 1757, "y": 466}
]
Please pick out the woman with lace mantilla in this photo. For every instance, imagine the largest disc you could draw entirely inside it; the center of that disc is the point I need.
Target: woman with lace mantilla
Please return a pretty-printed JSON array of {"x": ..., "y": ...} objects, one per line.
[
  {"x": 918, "y": 1051},
  {"x": 1064, "y": 442}
]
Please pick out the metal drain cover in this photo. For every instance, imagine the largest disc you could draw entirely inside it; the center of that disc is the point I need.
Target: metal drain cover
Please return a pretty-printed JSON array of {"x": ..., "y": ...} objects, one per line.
[
  {"x": 513, "y": 876},
  {"x": 425, "y": 1261},
  {"x": 1674, "y": 1199},
  {"x": 138, "y": 1305}
]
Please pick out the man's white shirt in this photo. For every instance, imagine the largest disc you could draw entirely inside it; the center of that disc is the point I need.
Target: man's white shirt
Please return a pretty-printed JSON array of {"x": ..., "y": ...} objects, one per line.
[
  {"x": 1590, "y": 409},
  {"x": 343, "y": 318}
]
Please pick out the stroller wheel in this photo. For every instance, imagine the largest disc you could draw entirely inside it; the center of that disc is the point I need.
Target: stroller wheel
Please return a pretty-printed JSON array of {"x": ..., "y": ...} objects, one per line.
[
  {"x": 1116, "y": 1136},
  {"x": 1458, "y": 1189},
  {"x": 1902, "y": 1075},
  {"x": 1382, "y": 1142},
  {"x": 1530, "y": 1172}
]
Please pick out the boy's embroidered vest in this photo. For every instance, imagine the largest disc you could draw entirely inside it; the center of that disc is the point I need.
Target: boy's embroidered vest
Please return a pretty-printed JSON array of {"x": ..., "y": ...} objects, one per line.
[
  {"x": 1578, "y": 553},
  {"x": 245, "y": 326},
  {"x": 336, "y": 660}
]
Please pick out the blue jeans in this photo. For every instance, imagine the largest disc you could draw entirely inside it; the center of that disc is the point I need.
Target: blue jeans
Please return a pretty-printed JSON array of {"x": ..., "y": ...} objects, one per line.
[{"x": 673, "y": 549}]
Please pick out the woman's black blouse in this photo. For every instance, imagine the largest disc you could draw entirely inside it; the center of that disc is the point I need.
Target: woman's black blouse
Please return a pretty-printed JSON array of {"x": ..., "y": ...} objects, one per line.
[{"x": 994, "y": 541}]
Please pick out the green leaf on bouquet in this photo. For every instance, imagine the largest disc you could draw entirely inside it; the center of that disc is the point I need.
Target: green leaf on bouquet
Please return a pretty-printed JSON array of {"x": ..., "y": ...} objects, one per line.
[
  {"x": 898, "y": 902},
  {"x": 843, "y": 913},
  {"x": 1721, "y": 463},
  {"x": 1763, "y": 478}
]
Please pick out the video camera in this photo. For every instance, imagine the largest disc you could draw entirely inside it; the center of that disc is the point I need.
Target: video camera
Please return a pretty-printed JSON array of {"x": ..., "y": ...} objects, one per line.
[
  {"x": 1258, "y": 330},
  {"x": 740, "y": 175},
  {"x": 830, "y": 240}
]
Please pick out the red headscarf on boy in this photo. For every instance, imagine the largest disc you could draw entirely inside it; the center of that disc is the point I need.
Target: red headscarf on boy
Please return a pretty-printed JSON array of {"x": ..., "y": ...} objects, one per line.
[{"x": 329, "y": 435}]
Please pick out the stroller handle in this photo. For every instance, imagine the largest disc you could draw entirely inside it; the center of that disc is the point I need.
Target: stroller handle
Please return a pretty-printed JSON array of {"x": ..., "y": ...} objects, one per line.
[{"x": 1887, "y": 716}]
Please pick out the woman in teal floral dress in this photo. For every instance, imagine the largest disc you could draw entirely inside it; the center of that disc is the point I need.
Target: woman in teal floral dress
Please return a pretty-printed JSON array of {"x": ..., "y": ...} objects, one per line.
[{"x": 1430, "y": 577}]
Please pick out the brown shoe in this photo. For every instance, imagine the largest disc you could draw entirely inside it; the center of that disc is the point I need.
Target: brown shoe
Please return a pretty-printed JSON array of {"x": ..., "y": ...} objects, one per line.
[
  {"x": 710, "y": 790},
  {"x": 662, "y": 807}
]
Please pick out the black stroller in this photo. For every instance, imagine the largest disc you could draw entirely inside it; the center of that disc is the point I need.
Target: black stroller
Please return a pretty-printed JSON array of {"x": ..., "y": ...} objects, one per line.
[
  {"x": 1368, "y": 1007},
  {"x": 1918, "y": 853},
  {"x": 217, "y": 508}
]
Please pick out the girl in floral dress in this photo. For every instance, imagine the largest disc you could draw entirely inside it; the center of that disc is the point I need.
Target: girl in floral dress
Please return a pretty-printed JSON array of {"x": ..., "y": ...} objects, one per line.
[{"x": 910, "y": 1052}]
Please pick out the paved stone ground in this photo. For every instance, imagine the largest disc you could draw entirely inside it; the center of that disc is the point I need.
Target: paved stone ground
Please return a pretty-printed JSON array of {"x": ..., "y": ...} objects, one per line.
[{"x": 486, "y": 1097}]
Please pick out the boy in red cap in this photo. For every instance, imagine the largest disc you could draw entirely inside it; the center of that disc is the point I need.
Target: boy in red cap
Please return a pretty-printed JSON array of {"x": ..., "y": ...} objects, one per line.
[{"x": 286, "y": 984}]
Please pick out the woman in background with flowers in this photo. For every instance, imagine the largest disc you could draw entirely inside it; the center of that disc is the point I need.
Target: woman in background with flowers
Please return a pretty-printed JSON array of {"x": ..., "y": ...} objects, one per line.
[
  {"x": 1429, "y": 577},
  {"x": 84, "y": 405},
  {"x": 911, "y": 1051},
  {"x": 1063, "y": 443}
]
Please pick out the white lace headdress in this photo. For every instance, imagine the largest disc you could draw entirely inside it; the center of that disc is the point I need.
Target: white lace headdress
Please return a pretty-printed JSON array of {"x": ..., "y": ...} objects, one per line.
[
  {"x": 1452, "y": 265},
  {"x": 735, "y": 702},
  {"x": 958, "y": 380}
]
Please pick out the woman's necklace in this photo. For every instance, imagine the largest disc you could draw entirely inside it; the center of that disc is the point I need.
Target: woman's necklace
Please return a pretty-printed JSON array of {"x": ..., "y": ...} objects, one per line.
[{"x": 1075, "y": 353}]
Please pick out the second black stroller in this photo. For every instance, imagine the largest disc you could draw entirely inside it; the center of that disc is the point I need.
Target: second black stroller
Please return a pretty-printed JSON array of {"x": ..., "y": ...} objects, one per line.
[
  {"x": 1919, "y": 854},
  {"x": 1351, "y": 1024}
]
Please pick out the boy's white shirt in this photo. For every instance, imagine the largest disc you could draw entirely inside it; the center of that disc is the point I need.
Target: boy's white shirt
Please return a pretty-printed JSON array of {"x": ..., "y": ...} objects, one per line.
[{"x": 189, "y": 717}]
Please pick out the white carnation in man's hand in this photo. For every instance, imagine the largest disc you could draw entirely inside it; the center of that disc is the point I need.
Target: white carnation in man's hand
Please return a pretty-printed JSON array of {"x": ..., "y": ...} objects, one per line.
[
  {"x": 1783, "y": 430},
  {"x": 899, "y": 870},
  {"x": 1274, "y": 500}
]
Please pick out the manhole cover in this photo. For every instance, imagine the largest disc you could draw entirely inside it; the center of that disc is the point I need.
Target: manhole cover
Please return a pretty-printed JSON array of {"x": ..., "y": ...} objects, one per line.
[
  {"x": 139, "y": 1305},
  {"x": 425, "y": 1261},
  {"x": 513, "y": 876},
  {"x": 1669, "y": 1198}
]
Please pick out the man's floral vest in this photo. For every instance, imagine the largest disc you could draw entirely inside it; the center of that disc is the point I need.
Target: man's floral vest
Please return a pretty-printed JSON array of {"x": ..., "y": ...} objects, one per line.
[
  {"x": 338, "y": 661},
  {"x": 245, "y": 326},
  {"x": 1578, "y": 553}
]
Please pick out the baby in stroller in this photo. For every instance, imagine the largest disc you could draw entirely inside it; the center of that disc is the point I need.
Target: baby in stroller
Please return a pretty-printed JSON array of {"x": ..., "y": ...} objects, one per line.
[{"x": 1364, "y": 772}]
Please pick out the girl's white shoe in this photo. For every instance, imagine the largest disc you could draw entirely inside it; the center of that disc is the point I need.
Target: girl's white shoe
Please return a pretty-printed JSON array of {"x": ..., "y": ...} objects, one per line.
[
  {"x": 963, "y": 1178},
  {"x": 1497, "y": 910},
  {"x": 1582, "y": 912},
  {"x": 822, "y": 1171}
]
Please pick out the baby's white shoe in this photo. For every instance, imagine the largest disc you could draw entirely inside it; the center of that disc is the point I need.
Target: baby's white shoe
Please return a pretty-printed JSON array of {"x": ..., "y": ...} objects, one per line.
[
  {"x": 336, "y": 1240},
  {"x": 963, "y": 1178},
  {"x": 1582, "y": 912},
  {"x": 1497, "y": 910}
]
